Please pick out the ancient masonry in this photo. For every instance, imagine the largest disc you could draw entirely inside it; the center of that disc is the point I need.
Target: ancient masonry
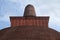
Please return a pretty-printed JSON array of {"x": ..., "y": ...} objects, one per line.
[
  {"x": 29, "y": 27},
  {"x": 30, "y": 19}
]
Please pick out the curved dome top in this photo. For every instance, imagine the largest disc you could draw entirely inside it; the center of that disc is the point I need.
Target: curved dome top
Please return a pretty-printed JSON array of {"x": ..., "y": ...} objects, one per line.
[{"x": 29, "y": 11}]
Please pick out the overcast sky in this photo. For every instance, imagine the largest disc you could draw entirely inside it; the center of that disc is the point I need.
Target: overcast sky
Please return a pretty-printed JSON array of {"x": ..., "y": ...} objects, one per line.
[{"x": 43, "y": 8}]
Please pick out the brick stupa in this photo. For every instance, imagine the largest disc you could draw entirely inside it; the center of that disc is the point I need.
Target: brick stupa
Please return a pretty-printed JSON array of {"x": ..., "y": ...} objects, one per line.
[{"x": 29, "y": 27}]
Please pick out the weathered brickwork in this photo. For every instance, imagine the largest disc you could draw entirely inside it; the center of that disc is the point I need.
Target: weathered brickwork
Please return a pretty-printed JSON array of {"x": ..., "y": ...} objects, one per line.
[
  {"x": 29, "y": 27},
  {"x": 29, "y": 33},
  {"x": 29, "y": 21},
  {"x": 29, "y": 11}
]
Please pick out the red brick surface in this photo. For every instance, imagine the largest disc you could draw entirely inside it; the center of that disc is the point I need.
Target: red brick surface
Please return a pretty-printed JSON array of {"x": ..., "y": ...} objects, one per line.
[
  {"x": 30, "y": 33},
  {"x": 29, "y": 28},
  {"x": 29, "y": 21}
]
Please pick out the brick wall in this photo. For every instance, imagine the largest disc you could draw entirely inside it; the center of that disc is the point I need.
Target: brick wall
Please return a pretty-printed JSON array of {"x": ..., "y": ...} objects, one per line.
[{"x": 29, "y": 21}]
